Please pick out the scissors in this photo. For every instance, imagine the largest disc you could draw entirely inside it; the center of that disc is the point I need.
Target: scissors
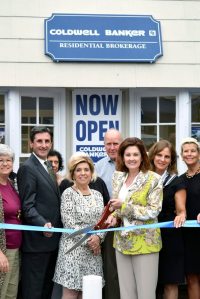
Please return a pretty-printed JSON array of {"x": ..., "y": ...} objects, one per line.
[{"x": 101, "y": 224}]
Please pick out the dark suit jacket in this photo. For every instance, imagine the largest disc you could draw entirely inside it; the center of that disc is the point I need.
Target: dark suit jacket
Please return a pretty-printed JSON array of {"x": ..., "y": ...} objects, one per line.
[{"x": 40, "y": 204}]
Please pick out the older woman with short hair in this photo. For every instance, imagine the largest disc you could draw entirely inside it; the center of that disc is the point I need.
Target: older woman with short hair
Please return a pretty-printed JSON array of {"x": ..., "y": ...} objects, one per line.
[{"x": 10, "y": 240}]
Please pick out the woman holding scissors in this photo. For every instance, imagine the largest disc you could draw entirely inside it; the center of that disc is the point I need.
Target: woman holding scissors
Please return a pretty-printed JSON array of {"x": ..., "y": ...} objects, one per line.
[
  {"x": 80, "y": 207},
  {"x": 138, "y": 201}
]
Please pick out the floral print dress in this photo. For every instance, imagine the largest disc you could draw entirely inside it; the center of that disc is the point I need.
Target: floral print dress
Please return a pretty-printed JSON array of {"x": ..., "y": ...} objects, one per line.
[{"x": 78, "y": 211}]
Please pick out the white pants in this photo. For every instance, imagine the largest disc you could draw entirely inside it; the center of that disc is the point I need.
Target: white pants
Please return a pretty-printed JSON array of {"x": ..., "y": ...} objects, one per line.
[{"x": 137, "y": 275}]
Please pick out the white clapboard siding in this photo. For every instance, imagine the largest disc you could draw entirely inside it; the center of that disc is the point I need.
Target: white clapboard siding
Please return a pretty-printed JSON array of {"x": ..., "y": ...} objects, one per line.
[
  {"x": 159, "y": 8},
  {"x": 99, "y": 75},
  {"x": 23, "y": 62}
]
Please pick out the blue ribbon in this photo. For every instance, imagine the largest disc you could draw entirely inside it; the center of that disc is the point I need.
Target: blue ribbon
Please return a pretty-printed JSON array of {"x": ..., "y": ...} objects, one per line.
[{"x": 168, "y": 224}]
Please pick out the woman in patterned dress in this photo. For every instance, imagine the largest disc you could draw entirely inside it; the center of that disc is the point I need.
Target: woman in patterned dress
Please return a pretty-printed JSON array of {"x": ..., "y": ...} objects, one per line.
[
  {"x": 190, "y": 152},
  {"x": 137, "y": 193},
  {"x": 80, "y": 207}
]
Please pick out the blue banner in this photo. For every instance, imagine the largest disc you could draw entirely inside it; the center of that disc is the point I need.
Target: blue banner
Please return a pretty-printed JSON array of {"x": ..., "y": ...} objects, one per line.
[{"x": 124, "y": 38}]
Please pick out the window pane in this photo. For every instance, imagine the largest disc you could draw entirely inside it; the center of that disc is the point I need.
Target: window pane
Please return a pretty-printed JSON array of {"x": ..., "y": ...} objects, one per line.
[
  {"x": 25, "y": 139},
  {"x": 196, "y": 131},
  {"x": 2, "y": 134},
  {"x": 46, "y": 110},
  {"x": 169, "y": 133},
  {"x": 28, "y": 110},
  {"x": 149, "y": 110},
  {"x": 196, "y": 108},
  {"x": 149, "y": 135},
  {"x": 167, "y": 109},
  {"x": 2, "y": 109}
]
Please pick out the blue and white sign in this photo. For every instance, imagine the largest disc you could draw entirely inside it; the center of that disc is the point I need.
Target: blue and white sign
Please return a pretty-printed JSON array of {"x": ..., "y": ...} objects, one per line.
[
  {"x": 125, "y": 38},
  {"x": 94, "y": 112}
]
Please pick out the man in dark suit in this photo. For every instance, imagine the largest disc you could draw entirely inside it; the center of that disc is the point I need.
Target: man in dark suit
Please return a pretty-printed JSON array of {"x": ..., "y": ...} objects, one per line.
[{"x": 40, "y": 206}]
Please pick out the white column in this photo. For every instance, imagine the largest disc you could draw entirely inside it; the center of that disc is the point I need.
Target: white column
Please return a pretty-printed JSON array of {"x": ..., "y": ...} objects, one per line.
[
  {"x": 61, "y": 136},
  {"x": 183, "y": 124},
  {"x": 13, "y": 124},
  {"x": 134, "y": 114}
]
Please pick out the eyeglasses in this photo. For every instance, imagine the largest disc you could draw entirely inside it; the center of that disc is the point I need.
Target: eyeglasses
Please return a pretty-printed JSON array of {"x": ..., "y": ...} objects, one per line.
[{"x": 7, "y": 161}]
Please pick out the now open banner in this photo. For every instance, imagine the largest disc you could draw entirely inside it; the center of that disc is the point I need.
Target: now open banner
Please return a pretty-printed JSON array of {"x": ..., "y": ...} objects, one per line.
[{"x": 94, "y": 112}]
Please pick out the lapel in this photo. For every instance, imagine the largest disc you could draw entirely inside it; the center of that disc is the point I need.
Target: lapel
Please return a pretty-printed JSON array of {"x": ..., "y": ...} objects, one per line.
[
  {"x": 44, "y": 173},
  {"x": 117, "y": 182},
  {"x": 120, "y": 177},
  {"x": 139, "y": 182}
]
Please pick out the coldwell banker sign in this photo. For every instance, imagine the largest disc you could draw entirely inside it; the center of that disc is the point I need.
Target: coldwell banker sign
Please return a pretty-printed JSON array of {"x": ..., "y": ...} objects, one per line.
[{"x": 77, "y": 37}]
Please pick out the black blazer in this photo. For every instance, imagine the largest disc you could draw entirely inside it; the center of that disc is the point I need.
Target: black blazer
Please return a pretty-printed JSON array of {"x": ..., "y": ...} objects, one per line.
[{"x": 40, "y": 198}]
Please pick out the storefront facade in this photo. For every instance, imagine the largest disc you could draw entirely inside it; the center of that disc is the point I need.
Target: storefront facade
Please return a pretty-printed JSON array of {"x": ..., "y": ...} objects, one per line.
[{"x": 80, "y": 100}]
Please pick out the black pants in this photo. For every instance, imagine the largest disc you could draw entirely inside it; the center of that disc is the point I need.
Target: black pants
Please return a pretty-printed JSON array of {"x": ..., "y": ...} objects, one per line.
[
  {"x": 111, "y": 288},
  {"x": 37, "y": 273}
]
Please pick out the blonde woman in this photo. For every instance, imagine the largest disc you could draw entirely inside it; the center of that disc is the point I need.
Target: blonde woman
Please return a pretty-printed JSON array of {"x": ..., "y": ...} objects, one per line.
[
  {"x": 80, "y": 207},
  {"x": 190, "y": 153}
]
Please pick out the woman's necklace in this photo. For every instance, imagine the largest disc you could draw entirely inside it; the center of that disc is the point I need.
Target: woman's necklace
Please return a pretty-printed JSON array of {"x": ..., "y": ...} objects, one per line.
[
  {"x": 92, "y": 201},
  {"x": 85, "y": 191},
  {"x": 191, "y": 176}
]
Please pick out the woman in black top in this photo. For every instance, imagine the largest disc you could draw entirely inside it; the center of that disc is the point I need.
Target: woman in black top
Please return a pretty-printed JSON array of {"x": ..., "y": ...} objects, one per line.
[
  {"x": 190, "y": 152},
  {"x": 162, "y": 157}
]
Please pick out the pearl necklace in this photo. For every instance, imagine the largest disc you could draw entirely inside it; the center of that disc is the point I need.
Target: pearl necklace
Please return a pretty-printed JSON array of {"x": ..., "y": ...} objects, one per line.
[{"x": 191, "y": 176}]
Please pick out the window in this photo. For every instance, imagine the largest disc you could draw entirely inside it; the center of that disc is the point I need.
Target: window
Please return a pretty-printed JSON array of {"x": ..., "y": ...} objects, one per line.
[
  {"x": 158, "y": 118},
  {"x": 2, "y": 119},
  {"x": 35, "y": 111},
  {"x": 195, "y": 117}
]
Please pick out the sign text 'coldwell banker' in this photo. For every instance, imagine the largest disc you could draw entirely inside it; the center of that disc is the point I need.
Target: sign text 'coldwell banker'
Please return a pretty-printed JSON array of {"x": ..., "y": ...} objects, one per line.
[{"x": 70, "y": 37}]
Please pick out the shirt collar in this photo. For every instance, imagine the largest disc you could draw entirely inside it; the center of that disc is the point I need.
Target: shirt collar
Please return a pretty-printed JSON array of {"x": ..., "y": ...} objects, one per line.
[
  {"x": 110, "y": 160},
  {"x": 39, "y": 159}
]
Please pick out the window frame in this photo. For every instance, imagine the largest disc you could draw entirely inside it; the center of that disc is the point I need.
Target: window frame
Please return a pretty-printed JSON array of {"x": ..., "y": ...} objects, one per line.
[{"x": 13, "y": 118}]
